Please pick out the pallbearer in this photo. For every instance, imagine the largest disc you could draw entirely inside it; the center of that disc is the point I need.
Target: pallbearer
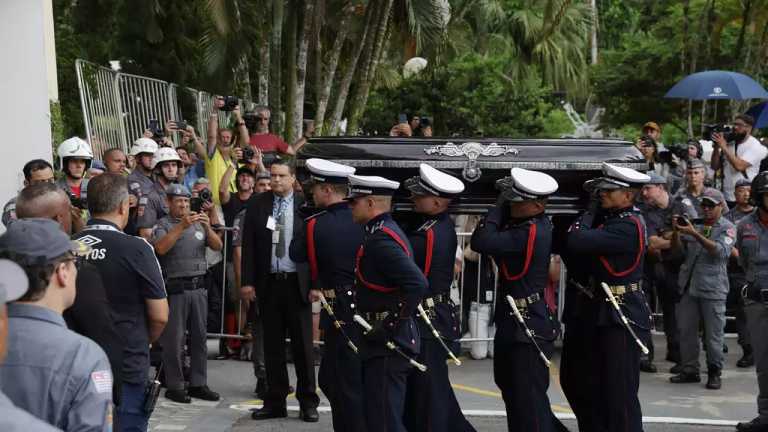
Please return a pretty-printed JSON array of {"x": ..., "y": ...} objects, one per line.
[
  {"x": 431, "y": 404},
  {"x": 389, "y": 288},
  {"x": 329, "y": 243},
  {"x": 612, "y": 251},
  {"x": 518, "y": 235}
]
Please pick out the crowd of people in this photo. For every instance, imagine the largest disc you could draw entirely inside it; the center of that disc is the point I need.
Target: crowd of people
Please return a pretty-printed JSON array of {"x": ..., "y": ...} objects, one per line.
[{"x": 116, "y": 267}]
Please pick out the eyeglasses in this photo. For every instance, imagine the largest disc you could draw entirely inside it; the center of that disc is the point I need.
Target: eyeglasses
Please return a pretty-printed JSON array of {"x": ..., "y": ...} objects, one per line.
[{"x": 740, "y": 125}]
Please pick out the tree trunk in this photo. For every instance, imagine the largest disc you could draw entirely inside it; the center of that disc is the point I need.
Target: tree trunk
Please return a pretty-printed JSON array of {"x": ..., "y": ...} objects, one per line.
[
  {"x": 593, "y": 32},
  {"x": 301, "y": 69},
  {"x": 364, "y": 86},
  {"x": 275, "y": 75},
  {"x": 352, "y": 68},
  {"x": 292, "y": 29},
  {"x": 325, "y": 82},
  {"x": 263, "y": 96}
]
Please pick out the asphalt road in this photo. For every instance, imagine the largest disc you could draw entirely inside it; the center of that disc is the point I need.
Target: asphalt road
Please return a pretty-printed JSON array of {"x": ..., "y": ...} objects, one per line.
[{"x": 666, "y": 407}]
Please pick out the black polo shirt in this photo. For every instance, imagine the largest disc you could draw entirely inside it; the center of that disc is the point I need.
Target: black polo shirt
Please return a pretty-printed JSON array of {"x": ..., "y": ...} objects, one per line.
[{"x": 132, "y": 275}]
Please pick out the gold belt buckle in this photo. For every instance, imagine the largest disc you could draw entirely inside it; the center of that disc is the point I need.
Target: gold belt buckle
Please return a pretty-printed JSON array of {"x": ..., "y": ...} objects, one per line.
[{"x": 430, "y": 302}]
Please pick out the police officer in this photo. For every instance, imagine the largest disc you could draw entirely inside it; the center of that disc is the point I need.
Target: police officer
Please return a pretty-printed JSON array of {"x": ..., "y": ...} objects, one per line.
[
  {"x": 35, "y": 171},
  {"x": 752, "y": 244},
  {"x": 14, "y": 284},
  {"x": 430, "y": 403},
  {"x": 613, "y": 252},
  {"x": 518, "y": 235},
  {"x": 165, "y": 166},
  {"x": 136, "y": 291},
  {"x": 140, "y": 180},
  {"x": 389, "y": 288},
  {"x": 743, "y": 208},
  {"x": 329, "y": 242},
  {"x": 75, "y": 157},
  {"x": 180, "y": 239},
  {"x": 51, "y": 371}
]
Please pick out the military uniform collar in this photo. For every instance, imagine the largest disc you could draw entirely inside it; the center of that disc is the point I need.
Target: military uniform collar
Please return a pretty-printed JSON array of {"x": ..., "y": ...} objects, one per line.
[
  {"x": 338, "y": 206},
  {"x": 30, "y": 311},
  {"x": 376, "y": 223}
]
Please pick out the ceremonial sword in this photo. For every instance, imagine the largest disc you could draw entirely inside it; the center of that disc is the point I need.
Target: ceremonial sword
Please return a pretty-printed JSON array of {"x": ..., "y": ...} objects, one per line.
[
  {"x": 519, "y": 316},
  {"x": 336, "y": 322},
  {"x": 391, "y": 345},
  {"x": 424, "y": 316},
  {"x": 624, "y": 320}
]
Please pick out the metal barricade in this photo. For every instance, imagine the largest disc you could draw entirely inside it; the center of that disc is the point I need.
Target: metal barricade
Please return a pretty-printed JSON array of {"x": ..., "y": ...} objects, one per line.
[{"x": 117, "y": 106}]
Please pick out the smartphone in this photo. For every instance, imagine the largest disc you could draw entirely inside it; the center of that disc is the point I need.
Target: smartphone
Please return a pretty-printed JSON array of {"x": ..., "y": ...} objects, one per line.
[
  {"x": 402, "y": 118},
  {"x": 181, "y": 125}
]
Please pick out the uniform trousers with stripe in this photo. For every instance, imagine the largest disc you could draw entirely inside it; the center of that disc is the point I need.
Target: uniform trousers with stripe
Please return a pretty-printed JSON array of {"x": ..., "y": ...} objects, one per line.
[
  {"x": 431, "y": 404},
  {"x": 341, "y": 378},
  {"x": 523, "y": 379},
  {"x": 187, "y": 310}
]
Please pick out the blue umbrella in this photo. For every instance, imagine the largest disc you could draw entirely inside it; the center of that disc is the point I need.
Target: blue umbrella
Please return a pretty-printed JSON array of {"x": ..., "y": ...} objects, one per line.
[
  {"x": 760, "y": 113},
  {"x": 717, "y": 85}
]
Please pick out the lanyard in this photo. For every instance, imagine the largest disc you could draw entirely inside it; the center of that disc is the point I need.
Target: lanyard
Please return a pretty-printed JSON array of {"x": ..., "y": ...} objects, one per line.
[{"x": 101, "y": 227}]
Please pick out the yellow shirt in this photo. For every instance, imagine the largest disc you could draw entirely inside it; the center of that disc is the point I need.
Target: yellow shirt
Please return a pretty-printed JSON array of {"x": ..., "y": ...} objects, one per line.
[{"x": 215, "y": 167}]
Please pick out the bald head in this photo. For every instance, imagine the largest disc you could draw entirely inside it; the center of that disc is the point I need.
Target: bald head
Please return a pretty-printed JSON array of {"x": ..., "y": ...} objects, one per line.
[{"x": 45, "y": 200}]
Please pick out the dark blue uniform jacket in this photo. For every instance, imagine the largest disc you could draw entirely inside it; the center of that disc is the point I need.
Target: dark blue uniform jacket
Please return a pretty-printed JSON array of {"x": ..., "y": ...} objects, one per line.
[
  {"x": 522, "y": 253},
  {"x": 388, "y": 280},
  {"x": 614, "y": 253}
]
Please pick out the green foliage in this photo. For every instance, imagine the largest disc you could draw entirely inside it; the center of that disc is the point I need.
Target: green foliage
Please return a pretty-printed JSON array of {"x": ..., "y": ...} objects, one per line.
[
  {"x": 470, "y": 97},
  {"x": 57, "y": 126}
]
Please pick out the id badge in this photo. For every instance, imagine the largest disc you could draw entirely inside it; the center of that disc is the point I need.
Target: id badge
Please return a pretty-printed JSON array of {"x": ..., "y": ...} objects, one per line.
[
  {"x": 271, "y": 223},
  {"x": 275, "y": 237}
]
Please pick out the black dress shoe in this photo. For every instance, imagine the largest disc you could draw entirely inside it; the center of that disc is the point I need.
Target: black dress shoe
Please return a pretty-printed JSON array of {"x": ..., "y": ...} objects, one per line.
[
  {"x": 676, "y": 369},
  {"x": 204, "y": 393},
  {"x": 179, "y": 396},
  {"x": 269, "y": 413},
  {"x": 756, "y": 425},
  {"x": 309, "y": 415},
  {"x": 713, "y": 381},
  {"x": 747, "y": 360},
  {"x": 685, "y": 377},
  {"x": 647, "y": 366}
]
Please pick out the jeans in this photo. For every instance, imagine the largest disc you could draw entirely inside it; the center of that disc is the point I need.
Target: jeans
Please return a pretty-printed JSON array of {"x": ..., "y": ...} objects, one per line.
[{"x": 130, "y": 413}]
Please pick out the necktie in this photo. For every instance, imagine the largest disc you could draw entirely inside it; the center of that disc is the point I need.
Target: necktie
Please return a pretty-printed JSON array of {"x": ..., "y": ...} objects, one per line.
[{"x": 280, "y": 248}]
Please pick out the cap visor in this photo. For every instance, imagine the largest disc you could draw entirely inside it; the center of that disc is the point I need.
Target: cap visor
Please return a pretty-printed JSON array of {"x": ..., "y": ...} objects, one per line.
[
  {"x": 13, "y": 280},
  {"x": 711, "y": 200}
]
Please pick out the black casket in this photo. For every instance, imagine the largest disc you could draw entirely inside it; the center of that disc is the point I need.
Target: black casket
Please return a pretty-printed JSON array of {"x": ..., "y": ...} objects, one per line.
[{"x": 479, "y": 162}]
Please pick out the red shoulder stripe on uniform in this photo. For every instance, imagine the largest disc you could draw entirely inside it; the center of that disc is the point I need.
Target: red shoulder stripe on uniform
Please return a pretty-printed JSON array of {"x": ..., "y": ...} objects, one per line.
[
  {"x": 640, "y": 252},
  {"x": 311, "y": 251},
  {"x": 396, "y": 238},
  {"x": 430, "y": 250},
  {"x": 529, "y": 248}
]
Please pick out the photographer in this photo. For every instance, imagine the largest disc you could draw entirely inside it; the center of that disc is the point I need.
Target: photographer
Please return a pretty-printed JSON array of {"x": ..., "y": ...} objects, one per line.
[
  {"x": 260, "y": 138},
  {"x": 737, "y": 154},
  {"x": 180, "y": 239},
  {"x": 35, "y": 171},
  {"x": 165, "y": 165},
  {"x": 703, "y": 281}
]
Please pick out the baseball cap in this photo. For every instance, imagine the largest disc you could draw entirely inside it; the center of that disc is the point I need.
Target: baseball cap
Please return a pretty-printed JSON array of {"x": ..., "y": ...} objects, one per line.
[
  {"x": 712, "y": 195},
  {"x": 13, "y": 281},
  {"x": 37, "y": 240},
  {"x": 652, "y": 125}
]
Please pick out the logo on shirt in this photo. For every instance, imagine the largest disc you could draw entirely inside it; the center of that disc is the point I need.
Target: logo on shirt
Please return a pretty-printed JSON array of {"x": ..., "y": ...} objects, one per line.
[{"x": 90, "y": 240}]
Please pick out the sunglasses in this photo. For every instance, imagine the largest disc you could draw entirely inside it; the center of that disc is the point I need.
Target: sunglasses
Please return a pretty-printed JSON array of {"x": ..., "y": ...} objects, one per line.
[{"x": 708, "y": 205}]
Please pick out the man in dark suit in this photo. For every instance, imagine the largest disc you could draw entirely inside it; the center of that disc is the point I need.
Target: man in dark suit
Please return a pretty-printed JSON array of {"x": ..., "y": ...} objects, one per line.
[{"x": 270, "y": 275}]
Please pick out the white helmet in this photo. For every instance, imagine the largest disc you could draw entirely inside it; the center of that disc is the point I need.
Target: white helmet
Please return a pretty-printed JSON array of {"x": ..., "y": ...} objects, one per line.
[
  {"x": 165, "y": 154},
  {"x": 143, "y": 145},
  {"x": 74, "y": 148}
]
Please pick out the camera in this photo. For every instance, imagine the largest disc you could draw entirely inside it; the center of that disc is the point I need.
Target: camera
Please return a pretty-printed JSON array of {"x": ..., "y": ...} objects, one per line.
[
  {"x": 156, "y": 128},
  {"x": 686, "y": 220},
  {"x": 230, "y": 102},
  {"x": 248, "y": 154},
  {"x": 251, "y": 121},
  {"x": 725, "y": 130},
  {"x": 181, "y": 125},
  {"x": 77, "y": 201},
  {"x": 205, "y": 195},
  {"x": 424, "y": 122},
  {"x": 647, "y": 141},
  {"x": 196, "y": 204}
]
